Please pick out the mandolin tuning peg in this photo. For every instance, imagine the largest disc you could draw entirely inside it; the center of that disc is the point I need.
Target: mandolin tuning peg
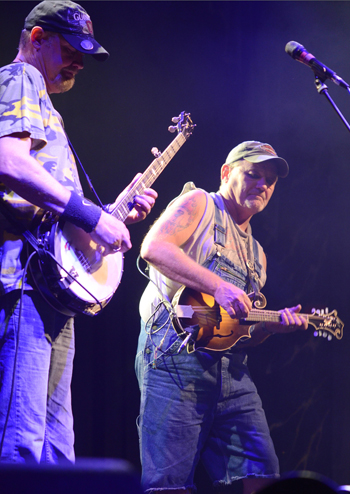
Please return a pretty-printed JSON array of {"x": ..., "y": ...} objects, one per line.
[
  {"x": 175, "y": 120},
  {"x": 172, "y": 128},
  {"x": 329, "y": 337},
  {"x": 326, "y": 310}
]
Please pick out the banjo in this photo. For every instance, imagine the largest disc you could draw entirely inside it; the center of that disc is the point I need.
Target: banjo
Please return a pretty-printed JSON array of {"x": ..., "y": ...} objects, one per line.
[{"x": 70, "y": 270}]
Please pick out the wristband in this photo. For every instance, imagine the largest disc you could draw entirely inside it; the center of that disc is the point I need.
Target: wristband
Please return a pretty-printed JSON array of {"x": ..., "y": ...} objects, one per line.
[{"x": 82, "y": 212}]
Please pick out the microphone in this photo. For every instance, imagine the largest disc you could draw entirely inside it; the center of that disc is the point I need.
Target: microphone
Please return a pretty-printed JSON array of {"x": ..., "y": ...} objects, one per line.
[{"x": 298, "y": 52}]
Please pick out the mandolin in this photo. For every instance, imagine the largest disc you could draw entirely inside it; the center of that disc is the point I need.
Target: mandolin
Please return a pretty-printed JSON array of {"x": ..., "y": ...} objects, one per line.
[{"x": 202, "y": 323}]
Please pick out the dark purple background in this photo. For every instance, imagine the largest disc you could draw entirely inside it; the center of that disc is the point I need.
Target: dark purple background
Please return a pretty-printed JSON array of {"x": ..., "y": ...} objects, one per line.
[{"x": 225, "y": 63}]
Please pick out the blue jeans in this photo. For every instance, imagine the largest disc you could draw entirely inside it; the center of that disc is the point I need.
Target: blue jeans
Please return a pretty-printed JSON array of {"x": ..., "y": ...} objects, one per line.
[
  {"x": 36, "y": 423},
  {"x": 199, "y": 405}
]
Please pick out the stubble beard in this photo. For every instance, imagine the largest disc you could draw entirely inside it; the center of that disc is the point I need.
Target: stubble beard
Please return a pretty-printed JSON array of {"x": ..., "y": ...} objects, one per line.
[
  {"x": 62, "y": 85},
  {"x": 254, "y": 205}
]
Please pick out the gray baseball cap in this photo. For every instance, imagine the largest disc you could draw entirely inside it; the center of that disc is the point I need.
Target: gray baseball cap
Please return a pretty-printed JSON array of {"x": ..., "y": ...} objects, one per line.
[
  {"x": 256, "y": 152},
  {"x": 71, "y": 21}
]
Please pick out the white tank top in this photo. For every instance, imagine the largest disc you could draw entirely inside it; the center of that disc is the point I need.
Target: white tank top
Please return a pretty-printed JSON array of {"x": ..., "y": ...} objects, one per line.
[{"x": 238, "y": 249}]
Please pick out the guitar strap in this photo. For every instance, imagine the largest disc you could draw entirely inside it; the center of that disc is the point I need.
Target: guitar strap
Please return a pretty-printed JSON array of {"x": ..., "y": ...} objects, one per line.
[{"x": 85, "y": 174}]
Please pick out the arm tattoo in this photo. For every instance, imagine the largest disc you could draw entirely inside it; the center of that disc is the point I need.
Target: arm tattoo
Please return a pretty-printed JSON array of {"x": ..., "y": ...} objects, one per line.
[{"x": 181, "y": 218}]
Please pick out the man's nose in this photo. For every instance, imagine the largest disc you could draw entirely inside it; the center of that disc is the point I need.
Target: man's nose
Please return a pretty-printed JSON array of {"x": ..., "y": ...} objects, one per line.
[
  {"x": 79, "y": 60},
  {"x": 262, "y": 184}
]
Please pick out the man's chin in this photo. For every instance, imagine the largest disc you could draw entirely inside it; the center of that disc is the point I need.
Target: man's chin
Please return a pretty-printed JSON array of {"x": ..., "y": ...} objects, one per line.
[
  {"x": 67, "y": 85},
  {"x": 61, "y": 85},
  {"x": 255, "y": 205}
]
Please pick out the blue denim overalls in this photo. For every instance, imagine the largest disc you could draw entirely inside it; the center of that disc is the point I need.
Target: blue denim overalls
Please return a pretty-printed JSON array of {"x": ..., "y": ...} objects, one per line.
[{"x": 199, "y": 405}]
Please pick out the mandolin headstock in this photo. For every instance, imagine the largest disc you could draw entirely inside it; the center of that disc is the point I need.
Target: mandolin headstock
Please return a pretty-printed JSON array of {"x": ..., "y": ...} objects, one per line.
[{"x": 326, "y": 324}]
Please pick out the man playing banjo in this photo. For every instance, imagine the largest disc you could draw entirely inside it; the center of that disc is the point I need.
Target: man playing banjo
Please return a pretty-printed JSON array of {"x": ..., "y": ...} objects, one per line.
[{"x": 37, "y": 170}]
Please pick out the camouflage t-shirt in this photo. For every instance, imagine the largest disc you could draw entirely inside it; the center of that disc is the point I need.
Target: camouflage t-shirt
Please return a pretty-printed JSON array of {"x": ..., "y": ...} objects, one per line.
[{"x": 25, "y": 106}]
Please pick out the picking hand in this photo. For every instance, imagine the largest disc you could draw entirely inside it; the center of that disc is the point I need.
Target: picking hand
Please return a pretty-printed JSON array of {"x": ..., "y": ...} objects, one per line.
[
  {"x": 112, "y": 234},
  {"x": 234, "y": 300}
]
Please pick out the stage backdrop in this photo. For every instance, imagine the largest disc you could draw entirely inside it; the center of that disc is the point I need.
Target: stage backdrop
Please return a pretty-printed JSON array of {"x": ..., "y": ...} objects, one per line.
[{"x": 224, "y": 62}]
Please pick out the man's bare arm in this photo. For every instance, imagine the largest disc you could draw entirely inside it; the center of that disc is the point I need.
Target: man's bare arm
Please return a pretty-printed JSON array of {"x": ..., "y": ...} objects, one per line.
[{"x": 162, "y": 249}]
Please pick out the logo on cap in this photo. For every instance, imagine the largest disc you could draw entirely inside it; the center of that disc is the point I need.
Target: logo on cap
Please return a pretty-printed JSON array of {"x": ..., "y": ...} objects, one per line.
[
  {"x": 82, "y": 22},
  {"x": 89, "y": 27},
  {"x": 269, "y": 149},
  {"x": 86, "y": 44}
]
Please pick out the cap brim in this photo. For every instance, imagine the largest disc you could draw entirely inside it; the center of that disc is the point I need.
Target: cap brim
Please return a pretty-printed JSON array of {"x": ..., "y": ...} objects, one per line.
[
  {"x": 282, "y": 165},
  {"x": 91, "y": 46}
]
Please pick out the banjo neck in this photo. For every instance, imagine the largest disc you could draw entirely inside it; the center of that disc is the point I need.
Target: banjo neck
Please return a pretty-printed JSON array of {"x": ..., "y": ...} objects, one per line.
[{"x": 184, "y": 127}]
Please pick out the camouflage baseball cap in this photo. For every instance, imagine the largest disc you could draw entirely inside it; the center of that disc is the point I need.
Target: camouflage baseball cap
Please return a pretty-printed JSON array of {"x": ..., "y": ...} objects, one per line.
[
  {"x": 256, "y": 152},
  {"x": 71, "y": 21}
]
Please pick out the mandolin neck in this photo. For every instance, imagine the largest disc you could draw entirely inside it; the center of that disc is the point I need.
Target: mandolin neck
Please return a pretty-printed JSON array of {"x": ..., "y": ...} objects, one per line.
[{"x": 256, "y": 315}]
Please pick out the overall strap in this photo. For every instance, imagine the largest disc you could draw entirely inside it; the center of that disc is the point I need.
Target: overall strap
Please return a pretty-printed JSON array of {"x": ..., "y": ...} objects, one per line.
[
  {"x": 253, "y": 250},
  {"x": 219, "y": 229}
]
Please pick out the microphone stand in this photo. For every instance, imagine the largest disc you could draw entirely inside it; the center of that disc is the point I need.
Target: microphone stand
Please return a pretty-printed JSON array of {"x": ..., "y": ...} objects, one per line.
[{"x": 323, "y": 89}]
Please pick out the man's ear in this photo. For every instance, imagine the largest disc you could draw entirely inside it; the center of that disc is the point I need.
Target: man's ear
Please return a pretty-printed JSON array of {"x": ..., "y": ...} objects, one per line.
[
  {"x": 36, "y": 36},
  {"x": 225, "y": 172}
]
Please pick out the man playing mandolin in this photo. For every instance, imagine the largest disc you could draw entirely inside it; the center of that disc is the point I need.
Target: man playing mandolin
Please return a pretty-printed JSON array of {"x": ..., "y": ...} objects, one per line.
[
  {"x": 203, "y": 403},
  {"x": 38, "y": 170}
]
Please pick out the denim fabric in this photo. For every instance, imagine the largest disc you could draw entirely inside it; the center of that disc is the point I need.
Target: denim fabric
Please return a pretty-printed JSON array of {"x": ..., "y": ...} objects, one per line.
[
  {"x": 224, "y": 268},
  {"x": 200, "y": 405},
  {"x": 40, "y": 422}
]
